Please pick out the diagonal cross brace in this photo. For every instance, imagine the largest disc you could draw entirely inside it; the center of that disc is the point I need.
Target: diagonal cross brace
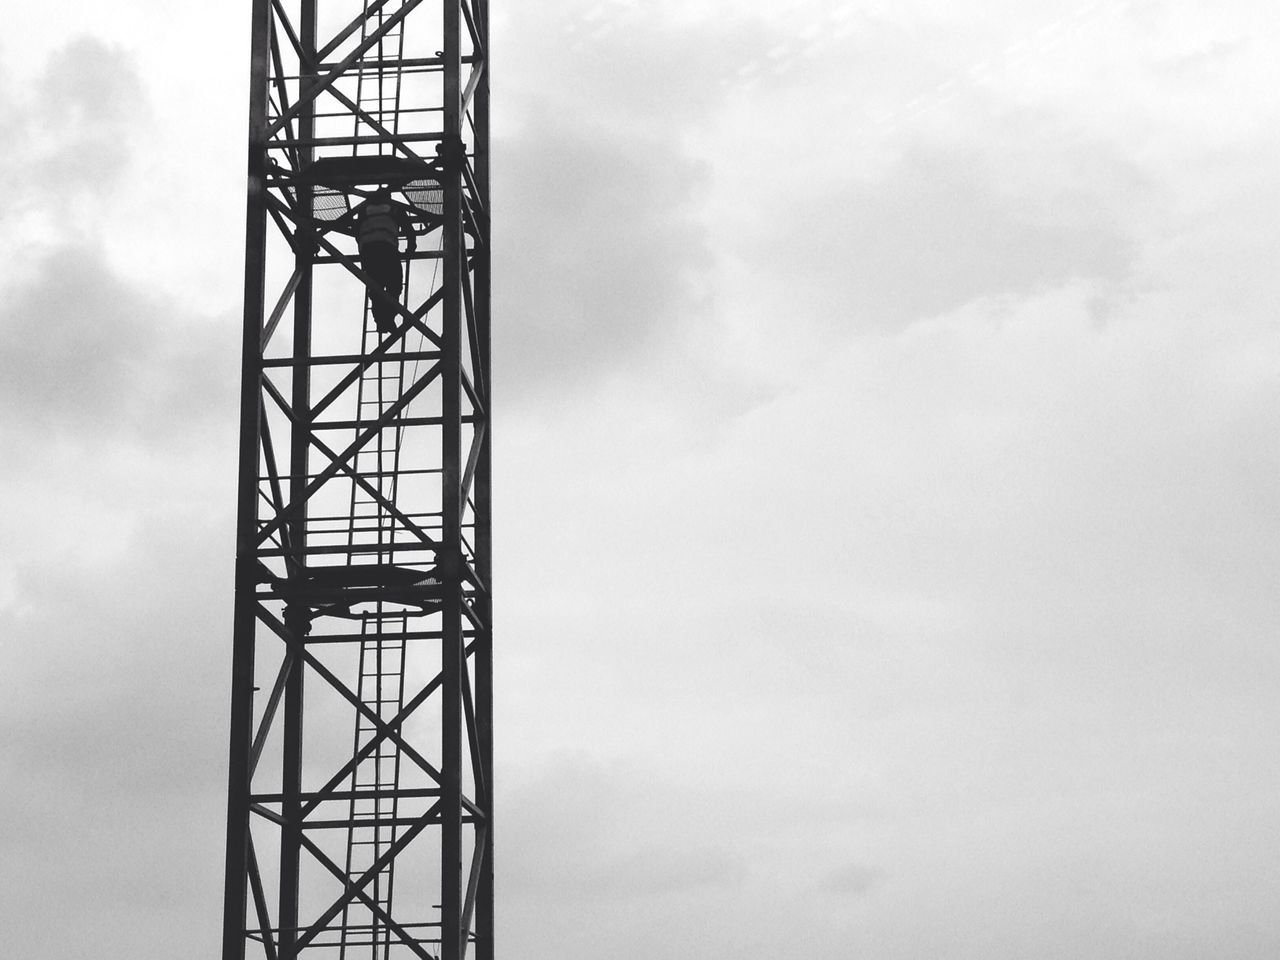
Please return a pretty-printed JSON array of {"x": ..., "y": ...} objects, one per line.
[
  {"x": 340, "y": 462},
  {"x": 376, "y": 495},
  {"x": 386, "y": 730},
  {"x": 473, "y": 882},
  {"x": 373, "y": 357},
  {"x": 260, "y": 900},
  {"x": 383, "y": 729},
  {"x": 337, "y": 72},
  {"x": 345, "y": 466},
  {"x": 269, "y": 713},
  {"x": 356, "y": 889},
  {"x": 395, "y": 723}
]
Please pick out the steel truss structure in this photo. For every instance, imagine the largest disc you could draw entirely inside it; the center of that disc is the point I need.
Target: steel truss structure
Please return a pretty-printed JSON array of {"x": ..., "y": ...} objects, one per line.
[{"x": 360, "y": 819}]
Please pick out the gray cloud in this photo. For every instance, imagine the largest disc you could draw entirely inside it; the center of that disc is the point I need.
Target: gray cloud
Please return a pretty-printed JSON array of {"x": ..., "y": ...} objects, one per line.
[
  {"x": 620, "y": 64},
  {"x": 942, "y": 228},
  {"x": 593, "y": 830},
  {"x": 93, "y": 356},
  {"x": 90, "y": 104},
  {"x": 856, "y": 879},
  {"x": 112, "y": 744},
  {"x": 601, "y": 253},
  {"x": 603, "y": 247},
  {"x": 73, "y": 132}
]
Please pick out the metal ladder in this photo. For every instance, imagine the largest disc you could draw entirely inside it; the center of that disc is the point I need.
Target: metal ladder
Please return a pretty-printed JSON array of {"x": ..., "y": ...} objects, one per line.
[
  {"x": 375, "y": 807},
  {"x": 376, "y": 778},
  {"x": 378, "y": 88}
]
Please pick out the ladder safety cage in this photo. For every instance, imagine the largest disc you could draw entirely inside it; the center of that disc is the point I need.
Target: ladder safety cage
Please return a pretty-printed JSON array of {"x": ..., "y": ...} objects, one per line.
[{"x": 360, "y": 821}]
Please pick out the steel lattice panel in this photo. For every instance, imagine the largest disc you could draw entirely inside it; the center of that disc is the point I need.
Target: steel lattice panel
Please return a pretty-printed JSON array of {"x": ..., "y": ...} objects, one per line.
[{"x": 360, "y": 821}]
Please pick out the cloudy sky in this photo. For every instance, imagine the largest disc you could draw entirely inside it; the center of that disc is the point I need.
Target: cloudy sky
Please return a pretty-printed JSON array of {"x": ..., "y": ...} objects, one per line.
[{"x": 887, "y": 471}]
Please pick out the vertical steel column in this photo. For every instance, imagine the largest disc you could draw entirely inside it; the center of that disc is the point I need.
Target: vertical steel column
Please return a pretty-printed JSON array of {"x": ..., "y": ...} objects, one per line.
[
  {"x": 235, "y": 891},
  {"x": 452, "y": 936},
  {"x": 483, "y": 663},
  {"x": 299, "y": 457}
]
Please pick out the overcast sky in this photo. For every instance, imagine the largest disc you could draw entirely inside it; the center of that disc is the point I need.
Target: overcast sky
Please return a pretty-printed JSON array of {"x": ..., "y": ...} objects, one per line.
[{"x": 887, "y": 477}]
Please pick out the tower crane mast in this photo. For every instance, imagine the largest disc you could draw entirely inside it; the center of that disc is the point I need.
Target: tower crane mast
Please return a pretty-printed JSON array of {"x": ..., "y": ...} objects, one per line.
[{"x": 360, "y": 814}]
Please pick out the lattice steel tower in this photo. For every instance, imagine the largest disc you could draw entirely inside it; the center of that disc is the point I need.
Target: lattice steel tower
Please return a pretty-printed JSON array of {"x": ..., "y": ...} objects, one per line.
[{"x": 360, "y": 799}]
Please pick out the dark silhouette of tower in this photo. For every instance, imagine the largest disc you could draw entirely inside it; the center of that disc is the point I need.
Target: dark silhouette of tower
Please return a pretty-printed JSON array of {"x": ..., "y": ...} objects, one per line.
[{"x": 360, "y": 819}]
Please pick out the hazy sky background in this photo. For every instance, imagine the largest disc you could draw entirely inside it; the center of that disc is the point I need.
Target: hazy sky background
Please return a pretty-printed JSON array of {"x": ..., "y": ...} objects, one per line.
[{"x": 887, "y": 472}]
